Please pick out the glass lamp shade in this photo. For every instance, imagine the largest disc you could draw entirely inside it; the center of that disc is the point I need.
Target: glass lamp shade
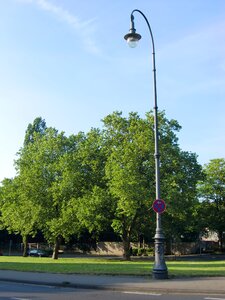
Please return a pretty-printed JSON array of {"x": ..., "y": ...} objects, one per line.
[
  {"x": 132, "y": 42},
  {"x": 132, "y": 39}
]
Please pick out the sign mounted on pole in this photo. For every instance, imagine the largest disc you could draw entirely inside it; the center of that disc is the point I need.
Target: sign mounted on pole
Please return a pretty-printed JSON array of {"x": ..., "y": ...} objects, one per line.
[{"x": 159, "y": 206}]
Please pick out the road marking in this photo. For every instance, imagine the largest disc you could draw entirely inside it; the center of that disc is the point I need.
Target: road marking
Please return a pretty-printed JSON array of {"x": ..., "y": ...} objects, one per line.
[
  {"x": 142, "y": 293},
  {"x": 15, "y": 298},
  {"x": 214, "y": 298}
]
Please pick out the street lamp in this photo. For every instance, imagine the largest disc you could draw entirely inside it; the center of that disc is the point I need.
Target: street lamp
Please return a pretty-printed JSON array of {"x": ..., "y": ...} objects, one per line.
[{"x": 159, "y": 268}]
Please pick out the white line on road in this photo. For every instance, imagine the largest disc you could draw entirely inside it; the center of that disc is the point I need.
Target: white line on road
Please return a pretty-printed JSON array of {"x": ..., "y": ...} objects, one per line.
[
  {"x": 142, "y": 293},
  {"x": 214, "y": 298},
  {"x": 15, "y": 298}
]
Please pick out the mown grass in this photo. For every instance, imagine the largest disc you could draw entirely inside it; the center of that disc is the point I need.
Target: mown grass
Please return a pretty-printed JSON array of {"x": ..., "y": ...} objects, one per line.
[
  {"x": 197, "y": 268},
  {"x": 110, "y": 266}
]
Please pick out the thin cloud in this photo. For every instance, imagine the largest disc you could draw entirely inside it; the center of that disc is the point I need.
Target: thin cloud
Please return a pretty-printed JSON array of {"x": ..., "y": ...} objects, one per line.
[
  {"x": 82, "y": 28},
  {"x": 200, "y": 44},
  {"x": 200, "y": 57}
]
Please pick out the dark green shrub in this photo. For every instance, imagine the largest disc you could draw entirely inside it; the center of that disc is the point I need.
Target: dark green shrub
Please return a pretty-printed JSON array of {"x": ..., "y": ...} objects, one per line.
[
  {"x": 150, "y": 251},
  {"x": 134, "y": 252}
]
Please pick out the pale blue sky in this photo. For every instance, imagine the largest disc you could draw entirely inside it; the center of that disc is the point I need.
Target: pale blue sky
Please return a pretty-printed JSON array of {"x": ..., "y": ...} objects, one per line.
[{"x": 67, "y": 61}]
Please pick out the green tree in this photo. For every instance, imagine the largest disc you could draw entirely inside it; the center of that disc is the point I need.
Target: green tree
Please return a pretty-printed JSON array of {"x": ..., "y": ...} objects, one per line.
[
  {"x": 130, "y": 171},
  {"x": 180, "y": 175},
  {"x": 127, "y": 171},
  {"x": 212, "y": 197},
  {"x": 40, "y": 169},
  {"x": 85, "y": 172},
  {"x": 19, "y": 215},
  {"x": 63, "y": 175},
  {"x": 38, "y": 127}
]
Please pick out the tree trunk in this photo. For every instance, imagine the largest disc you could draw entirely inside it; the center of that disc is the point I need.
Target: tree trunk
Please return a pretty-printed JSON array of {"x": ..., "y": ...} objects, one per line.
[
  {"x": 55, "y": 254},
  {"x": 221, "y": 240},
  {"x": 126, "y": 247},
  {"x": 24, "y": 239}
]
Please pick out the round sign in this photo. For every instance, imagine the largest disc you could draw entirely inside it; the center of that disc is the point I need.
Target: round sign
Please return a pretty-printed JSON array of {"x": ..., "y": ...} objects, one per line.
[{"x": 159, "y": 206}]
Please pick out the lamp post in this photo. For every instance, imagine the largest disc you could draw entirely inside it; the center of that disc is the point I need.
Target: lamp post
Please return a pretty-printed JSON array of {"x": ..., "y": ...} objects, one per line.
[{"x": 159, "y": 268}]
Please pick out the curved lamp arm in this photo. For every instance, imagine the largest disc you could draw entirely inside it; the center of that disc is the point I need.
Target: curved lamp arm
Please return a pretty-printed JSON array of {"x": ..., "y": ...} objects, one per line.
[{"x": 132, "y": 38}]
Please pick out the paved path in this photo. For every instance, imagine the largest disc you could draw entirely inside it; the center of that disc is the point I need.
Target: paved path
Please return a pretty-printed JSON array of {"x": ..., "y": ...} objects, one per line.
[{"x": 209, "y": 285}]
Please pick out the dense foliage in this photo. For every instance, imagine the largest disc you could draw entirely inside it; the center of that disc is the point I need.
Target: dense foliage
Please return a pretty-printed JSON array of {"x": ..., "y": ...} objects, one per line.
[
  {"x": 212, "y": 194},
  {"x": 99, "y": 181}
]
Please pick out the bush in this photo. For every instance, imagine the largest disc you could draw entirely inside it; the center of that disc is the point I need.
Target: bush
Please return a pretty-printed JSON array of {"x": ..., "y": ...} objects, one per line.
[
  {"x": 134, "y": 252},
  {"x": 150, "y": 251},
  {"x": 142, "y": 251}
]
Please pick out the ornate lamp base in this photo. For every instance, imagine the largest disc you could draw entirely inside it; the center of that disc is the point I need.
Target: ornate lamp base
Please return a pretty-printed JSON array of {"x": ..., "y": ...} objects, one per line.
[{"x": 160, "y": 269}]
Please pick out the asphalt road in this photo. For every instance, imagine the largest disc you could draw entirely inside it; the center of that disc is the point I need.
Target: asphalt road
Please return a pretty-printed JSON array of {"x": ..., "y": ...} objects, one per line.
[{"x": 18, "y": 291}]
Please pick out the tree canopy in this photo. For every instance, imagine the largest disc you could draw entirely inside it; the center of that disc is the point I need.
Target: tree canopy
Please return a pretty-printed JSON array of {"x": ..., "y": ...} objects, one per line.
[
  {"x": 212, "y": 194},
  {"x": 101, "y": 179}
]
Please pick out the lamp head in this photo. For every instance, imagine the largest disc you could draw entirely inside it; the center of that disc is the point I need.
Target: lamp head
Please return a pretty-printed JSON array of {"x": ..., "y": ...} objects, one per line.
[{"x": 132, "y": 37}]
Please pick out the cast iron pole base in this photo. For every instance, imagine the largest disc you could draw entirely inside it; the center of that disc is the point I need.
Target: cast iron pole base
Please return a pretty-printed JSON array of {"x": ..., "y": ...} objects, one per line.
[
  {"x": 160, "y": 269},
  {"x": 160, "y": 274}
]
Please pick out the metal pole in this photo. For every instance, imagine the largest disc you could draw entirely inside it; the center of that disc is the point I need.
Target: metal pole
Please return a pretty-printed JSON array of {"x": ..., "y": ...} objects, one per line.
[{"x": 159, "y": 268}]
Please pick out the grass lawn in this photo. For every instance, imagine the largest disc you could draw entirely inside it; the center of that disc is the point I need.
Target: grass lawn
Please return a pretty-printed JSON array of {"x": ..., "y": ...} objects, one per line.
[{"x": 110, "y": 266}]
